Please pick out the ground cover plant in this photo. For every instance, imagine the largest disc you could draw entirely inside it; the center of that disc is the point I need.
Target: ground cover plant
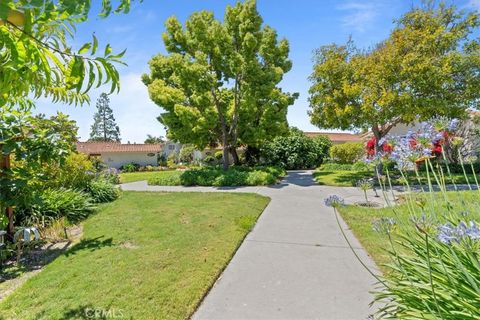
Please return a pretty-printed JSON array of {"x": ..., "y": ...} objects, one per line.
[
  {"x": 160, "y": 251},
  {"x": 429, "y": 246}
]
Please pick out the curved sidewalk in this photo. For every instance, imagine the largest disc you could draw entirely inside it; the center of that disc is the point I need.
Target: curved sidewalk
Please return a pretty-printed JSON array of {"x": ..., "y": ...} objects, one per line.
[{"x": 295, "y": 264}]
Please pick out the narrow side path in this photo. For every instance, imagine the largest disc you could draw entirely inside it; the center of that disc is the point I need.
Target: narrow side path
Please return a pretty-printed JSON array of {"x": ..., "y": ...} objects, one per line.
[{"x": 295, "y": 264}]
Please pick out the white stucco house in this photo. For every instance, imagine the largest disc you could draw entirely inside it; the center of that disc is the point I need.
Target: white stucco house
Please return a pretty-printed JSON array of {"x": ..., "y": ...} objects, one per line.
[{"x": 115, "y": 154}]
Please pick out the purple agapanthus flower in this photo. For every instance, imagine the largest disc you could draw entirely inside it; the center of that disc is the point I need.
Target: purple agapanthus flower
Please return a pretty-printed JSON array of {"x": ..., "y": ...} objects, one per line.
[
  {"x": 473, "y": 232},
  {"x": 334, "y": 201},
  {"x": 448, "y": 233},
  {"x": 437, "y": 138},
  {"x": 453, "y": 124}
]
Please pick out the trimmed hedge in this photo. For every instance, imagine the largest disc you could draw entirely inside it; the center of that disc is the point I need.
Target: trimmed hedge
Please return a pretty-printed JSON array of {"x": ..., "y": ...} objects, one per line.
[
  {"x": 349, "y": 152},
  {"x": 237, "y": 176},
  {"x": 455, "y": 167}
]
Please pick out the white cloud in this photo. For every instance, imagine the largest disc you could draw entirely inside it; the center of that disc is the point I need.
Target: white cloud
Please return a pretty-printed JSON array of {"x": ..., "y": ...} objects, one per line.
[
  {"x": 359, "y": 14},
  {"x": 134, "y": 112}
]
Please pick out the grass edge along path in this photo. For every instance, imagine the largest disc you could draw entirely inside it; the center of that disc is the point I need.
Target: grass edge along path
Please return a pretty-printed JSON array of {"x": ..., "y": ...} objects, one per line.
[
  {"x": 360, "y": 221},
  {"x": 147, "y": 255}
]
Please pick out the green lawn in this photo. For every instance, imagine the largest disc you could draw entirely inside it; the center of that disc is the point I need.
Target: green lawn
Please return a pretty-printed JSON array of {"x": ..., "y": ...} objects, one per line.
[
  {"x": 360, "y": 219},
  {"x": 344, "y": 178},
  {"x": 339, "y": 178},
  {"x": 145, "y": 256},
  {"x": 127, "y": 177}
]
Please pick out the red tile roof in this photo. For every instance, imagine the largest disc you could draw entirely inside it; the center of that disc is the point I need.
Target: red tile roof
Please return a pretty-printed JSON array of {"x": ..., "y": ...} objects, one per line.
[
  {"x": 106, "y": 147},
  {"x": 336, "y": 136}
]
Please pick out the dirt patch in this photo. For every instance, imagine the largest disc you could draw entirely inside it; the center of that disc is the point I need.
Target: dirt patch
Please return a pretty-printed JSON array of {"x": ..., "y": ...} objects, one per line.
[{"x": 129, "y": 245}]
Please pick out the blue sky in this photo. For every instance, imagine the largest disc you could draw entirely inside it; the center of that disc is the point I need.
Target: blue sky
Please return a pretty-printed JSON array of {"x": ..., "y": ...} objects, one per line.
[{"x": 307, "y": 24}]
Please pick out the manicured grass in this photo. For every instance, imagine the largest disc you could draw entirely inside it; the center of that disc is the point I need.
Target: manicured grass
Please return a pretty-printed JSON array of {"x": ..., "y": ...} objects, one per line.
[
  {"x": 344, "y": 178},
  {"x": 127, "y": 177},
  {"x": 145, "y": 256},
  {"x": 360, "y": 219},
  {"x": 340, "y": 178}
]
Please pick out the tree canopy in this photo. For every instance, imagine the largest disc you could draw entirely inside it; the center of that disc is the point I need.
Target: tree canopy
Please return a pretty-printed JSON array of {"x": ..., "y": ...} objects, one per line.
[
  {"x": 37, "y": 59},
  {"x": 104, "y": 127},
  {"x": 429, "y": 65},
  {"x": 218, "y": 82}
]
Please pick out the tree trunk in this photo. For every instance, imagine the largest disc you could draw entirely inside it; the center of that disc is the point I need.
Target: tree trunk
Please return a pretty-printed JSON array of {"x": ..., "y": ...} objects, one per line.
[
  {"x": 226, "y": 158},
  {"x": 236, "y": 159},
  {"x": 5, "y": 164},
  {"x": 378, "y": 135},
  {"x": 226, "y": 149}
]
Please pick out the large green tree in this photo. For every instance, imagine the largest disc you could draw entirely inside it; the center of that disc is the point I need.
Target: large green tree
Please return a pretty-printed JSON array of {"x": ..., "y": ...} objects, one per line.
[
  {"x": 37, "y": 59},
  {"x": 104, "y": 127},
  {"x": 429, "y": 65},
  {"x": 218, "y": 82}
]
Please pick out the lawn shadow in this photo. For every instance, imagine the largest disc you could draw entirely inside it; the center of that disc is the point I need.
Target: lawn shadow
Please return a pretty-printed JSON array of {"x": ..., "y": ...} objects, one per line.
[
  {"x": 302, "y": 178},
  {"x": 90, "y": 245},
  {"x": 32, "y": 259},
  {"x": 89, "y": 311}
]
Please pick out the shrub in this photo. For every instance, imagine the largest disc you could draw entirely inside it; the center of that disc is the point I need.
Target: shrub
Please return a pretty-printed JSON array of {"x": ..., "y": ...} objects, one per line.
[
  {"x": 172, "y": 179},
  {"x": 186, "y": 153},
  {"x": 75, "y": 172},
  {"x": 238, "y": 176},
  {"x": 361, "y": 166},
  {"x": 296, "y": 151},
  {"x": 130, "y": 167},
  {"x": 349, "y": 152},
  {"x": 218, "y": 155},
  {"x": 55, "y": 203},
  {"x": 455, "y": 167},
  {"x": 172, "y": 160},
  {"x": 103, "y": 191},
  {"x": 111, "y": 175},
  {"x": 209, "y": 160}
]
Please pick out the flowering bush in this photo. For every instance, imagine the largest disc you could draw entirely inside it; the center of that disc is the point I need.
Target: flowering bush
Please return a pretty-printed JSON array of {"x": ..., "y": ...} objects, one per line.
[{"x": 434, "y": 271}]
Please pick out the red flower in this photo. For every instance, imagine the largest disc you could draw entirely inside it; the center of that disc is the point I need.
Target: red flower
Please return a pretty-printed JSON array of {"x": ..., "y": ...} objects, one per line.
[
  {"x": 437, "y": 149},
  {"x": 387, "y": 147},
  {"x": 371, "y": 144}
]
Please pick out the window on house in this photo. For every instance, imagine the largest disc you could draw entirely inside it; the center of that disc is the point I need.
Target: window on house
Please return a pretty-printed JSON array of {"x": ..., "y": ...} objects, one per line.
[{"x": 171, "y": 147}]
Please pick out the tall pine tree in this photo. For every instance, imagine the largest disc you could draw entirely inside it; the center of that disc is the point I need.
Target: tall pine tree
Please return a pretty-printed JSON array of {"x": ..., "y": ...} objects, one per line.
[{"x": 104, "y": 127}]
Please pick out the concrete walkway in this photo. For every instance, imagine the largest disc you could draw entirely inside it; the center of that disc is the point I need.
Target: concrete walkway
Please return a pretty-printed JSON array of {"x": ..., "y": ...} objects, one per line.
[{"x": 295, "y": 264}]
